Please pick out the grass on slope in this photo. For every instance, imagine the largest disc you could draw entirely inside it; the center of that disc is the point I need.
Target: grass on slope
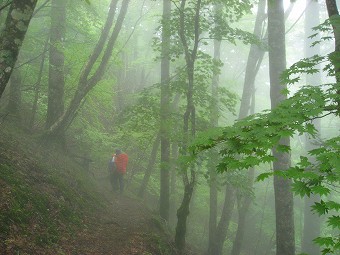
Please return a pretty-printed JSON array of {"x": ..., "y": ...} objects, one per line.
[{"x": 44, "y": 195}]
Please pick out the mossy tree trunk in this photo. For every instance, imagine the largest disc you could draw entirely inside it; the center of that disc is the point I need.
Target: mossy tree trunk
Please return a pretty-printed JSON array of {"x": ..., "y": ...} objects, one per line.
[{"x": 12, "y": 37}]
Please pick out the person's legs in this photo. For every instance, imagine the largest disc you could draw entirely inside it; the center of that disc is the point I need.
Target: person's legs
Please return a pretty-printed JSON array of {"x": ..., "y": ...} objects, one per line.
[
  {"x": 112, "y": 180},
  {"x": 115, "y": 181},
  {"x": 121, "y": 182}
]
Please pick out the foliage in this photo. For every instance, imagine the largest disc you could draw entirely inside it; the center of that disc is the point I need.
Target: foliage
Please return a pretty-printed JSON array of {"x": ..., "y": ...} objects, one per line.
[{"x": 249, "y": 141}]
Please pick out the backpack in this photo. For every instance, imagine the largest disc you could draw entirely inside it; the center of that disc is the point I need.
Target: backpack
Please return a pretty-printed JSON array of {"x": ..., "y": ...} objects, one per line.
[{"x": 121, "y": 161}]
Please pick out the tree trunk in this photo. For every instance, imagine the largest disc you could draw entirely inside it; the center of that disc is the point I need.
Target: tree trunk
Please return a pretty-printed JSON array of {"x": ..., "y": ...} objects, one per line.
[
  {"x": 311, "y": 226},
  {"x": 182, "y": 215},
  {"x": 223, "y": 225},
  {"x": 333, "y": 12},
  {"x": 188, "y": 118},
  {"x": 164, "y": 198},
  {"x": 14, "y": 101},
  {"x": 254, "y": 61},
  {"x": 56, "y": 78},
  {"x": 285, "y": 236},
  {"x": 189, "y": 121},
  {"x": 12, "y": 37},
  {"x": 213, "y": 193},
  {"x": 247, "y": 107},
  {"x": 173, "y": 181},
  {"x": 244, "y": 202},
  {"x": 86, "y": 83},
  {"x": 37, "y": 86},
  {"x": 150, "y": 166}
]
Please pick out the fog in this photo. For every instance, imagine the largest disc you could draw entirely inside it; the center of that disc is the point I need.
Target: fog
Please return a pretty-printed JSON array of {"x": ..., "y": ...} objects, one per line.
[{"x": 172, "y": 84}]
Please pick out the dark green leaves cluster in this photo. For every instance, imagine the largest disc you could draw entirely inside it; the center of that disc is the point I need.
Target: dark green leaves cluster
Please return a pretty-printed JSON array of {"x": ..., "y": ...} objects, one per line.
[{"x": 249, "y": 141}]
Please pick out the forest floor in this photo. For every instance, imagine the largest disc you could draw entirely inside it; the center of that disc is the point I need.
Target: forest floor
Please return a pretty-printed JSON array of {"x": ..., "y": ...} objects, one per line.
[
  {"x": 127, "y": 228},
  {"x": 46, "y": 210}
]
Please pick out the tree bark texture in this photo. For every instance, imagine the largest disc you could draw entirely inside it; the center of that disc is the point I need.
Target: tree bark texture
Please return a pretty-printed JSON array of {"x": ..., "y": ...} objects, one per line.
[
  {"x": 285, "y": 235},
  {"x": 12, "y": 37},
  {"x": 164, "y": 115},
  {"x": 56, "y": 77}
]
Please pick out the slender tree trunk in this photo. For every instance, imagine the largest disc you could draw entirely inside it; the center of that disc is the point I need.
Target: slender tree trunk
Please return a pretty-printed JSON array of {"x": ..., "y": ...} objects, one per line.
[
  {"x": 56, "y": 78},
  {"x": 173, "y": 181},
  {"x": 243, "y": 205},
  {"x": 164, "y": 115},
  {"x": 37, "y": 87},
  {"x": 182, "y": 215},
  {"x": 259, "y": 235},
  {"x": 255, "y": 58},
  {"x": 223, "y": 225},
  {"x": 150, "y": 166},
  {"x": 189, "y": 121},
  {"x": 153, "y": 157},
  {"x": 174, "y": 158},
  {"x": 88, "y": 80},
  {"x": 254, "y": 61},
  {"x": 12, "y": 37},
  {"x": 311, "y": 226},
  {"x": 213, "y": 193},
  {"x": 119, "y": 88},
  {"x": 285, "y": 235}
]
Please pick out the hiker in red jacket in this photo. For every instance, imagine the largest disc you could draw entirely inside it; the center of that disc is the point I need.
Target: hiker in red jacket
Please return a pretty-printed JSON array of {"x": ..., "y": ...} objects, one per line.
[{"x": 120, "y": 162}]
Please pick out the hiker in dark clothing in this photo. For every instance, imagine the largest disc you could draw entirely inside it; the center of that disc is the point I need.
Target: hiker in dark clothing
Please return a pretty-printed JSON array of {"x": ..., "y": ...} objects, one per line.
[{"x": 111, "y": 170}]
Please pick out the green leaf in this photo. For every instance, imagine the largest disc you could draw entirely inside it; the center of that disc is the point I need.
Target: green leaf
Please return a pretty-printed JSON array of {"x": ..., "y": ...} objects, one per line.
[
  {"x": 324, "y": 241},
  {"x": 301, "y": 188},
  {"x": 334, "y": 221},
  {"x": 321, "y": 208},
  {"x": 263, "y": 176},
  {"x": 322, "y": 191}
]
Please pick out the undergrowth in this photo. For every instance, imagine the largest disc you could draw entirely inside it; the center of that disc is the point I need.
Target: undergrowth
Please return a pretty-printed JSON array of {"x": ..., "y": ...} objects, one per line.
[{"x": 44, "y": 194}]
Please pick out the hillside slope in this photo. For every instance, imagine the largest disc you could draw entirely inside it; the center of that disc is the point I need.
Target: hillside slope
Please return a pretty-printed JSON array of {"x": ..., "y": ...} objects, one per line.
[{"x": 50, "y": 205}]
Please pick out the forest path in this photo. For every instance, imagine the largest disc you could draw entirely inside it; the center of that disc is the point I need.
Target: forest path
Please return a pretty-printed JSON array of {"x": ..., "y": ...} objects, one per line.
[{"x": 126, "y": 228}]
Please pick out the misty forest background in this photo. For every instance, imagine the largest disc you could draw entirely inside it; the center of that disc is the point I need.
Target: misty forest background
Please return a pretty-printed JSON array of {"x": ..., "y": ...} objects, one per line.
[{"x": 227, "y": 109}]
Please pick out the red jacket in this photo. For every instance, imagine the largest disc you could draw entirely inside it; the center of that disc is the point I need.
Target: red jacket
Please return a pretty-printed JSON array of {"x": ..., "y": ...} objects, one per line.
[{"x": 121, "y": 161}]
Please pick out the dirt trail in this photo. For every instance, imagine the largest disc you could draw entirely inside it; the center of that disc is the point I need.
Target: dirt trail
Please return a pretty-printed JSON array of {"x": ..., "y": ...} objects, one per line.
[{"x": 127, "y": 228}]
